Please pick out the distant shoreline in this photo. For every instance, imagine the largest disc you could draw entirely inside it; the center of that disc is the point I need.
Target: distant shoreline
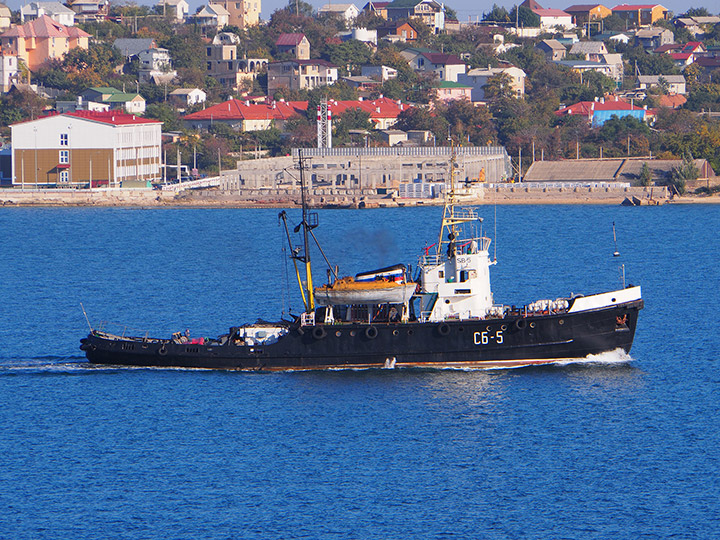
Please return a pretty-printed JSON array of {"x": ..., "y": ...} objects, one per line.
[{"x": 158, "y": 199}]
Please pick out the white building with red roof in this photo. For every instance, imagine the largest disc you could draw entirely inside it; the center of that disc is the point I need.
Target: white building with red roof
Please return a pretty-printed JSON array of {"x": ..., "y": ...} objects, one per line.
[
  {"x": 383, "y": 111},
  {"x": 246, "y": 116},
  {"x": 600, "y": 111},
  {"x": 42, "y": 39},
  {"x": 86, "y": 148}
]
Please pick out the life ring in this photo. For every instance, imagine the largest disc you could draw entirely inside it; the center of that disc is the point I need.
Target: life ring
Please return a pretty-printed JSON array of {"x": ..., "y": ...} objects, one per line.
[
  {"x": 443, "y": 329},
  {"x": 520, "y": 324},
  {"x": 371, "y": 332},
  {"x": 162, "y": 351},
  {"x": 319, "y": 332}
]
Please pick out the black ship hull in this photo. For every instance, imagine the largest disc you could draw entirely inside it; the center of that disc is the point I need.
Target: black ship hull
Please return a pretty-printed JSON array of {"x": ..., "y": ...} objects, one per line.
[{"x": 491, "y": 343}]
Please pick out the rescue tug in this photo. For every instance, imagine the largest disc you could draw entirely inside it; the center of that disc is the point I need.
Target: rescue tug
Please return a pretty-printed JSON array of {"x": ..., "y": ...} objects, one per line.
[{"x": 445, "y": 318}]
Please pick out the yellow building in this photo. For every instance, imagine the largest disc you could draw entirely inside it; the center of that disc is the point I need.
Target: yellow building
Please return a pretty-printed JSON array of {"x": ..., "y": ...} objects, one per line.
[
  {"x": 583, "y": 13},
  {"x": 42, "y": 39},
  {"x": 641, "y": 14},
  {"x": 243, "y": 13}
]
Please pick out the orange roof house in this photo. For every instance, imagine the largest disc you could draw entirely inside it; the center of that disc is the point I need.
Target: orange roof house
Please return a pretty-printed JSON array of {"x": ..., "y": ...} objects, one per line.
[{"x": 42, "y": 39}]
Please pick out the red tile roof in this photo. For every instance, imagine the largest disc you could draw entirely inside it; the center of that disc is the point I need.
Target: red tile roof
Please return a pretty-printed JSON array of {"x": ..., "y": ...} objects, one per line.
[
  {"x": 45, "y": 27},
  {"x": 673, "y": 101},
  {"x": 234, "y": 109},
  {"x": 634, "y": 7},
  {"x": 289, "y": 40},
  {"x": 114, "y": 118},
  {"x": 585, "y": 108}
]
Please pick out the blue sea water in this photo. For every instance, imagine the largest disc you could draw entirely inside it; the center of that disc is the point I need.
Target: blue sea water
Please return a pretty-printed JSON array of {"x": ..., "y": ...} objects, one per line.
[{"x": 615, "y": 448}]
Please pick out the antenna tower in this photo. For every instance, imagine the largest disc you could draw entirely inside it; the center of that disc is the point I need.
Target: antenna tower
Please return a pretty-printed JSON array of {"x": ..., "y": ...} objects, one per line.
[{"x": 324, "y": 125}]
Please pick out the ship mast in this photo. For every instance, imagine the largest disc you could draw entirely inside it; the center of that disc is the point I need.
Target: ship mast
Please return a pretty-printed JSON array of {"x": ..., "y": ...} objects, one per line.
[
  {"x": 306, "y": 226},
  {"x": 449, "y": 223}
]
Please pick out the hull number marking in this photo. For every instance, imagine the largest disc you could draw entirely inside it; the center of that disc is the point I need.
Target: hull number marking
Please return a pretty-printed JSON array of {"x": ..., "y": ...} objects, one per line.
[{"x": 483, "y": 338}]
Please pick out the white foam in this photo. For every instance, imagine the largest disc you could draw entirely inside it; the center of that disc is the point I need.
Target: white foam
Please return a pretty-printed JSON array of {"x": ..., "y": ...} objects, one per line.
[{"x": 616, "y": 357}]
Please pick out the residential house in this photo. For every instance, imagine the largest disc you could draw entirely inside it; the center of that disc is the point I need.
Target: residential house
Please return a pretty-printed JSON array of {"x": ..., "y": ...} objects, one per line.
[
  {"x": 5, "y": 17},
  {"x": 9, "y": 71},
  {"x": 362, "y": 83},
  {"x": 109, "y": 98},
  {"x": 380, "y": 73},
  {"x": 42, "y": 39},
  {"x": 131, "y": 47},
  {"x": 402, "y": 31},
  {"x": 672, "y": 101},
  {"x": 90, "y": 10},
  {"x": 581, "y": 66},
  {"x": 446, "y": 67},
  {"x": 552, "y": 49},
  {"x": 300, "y": 75},
  {"x": 393, "y": 137},
  {"x": 379, "y": 9},
  {"x": 187, "y": 97},
  {"x": 347, "y": 12},
  {"x": 156, "y": 66},
  {"x": 652, "y": 38},
  {"x": 451, "y": 91},
  {"x": 615, "y": 37},
  {"x": 383, "y": 111},
  {"x": 246, "y": 116},
  {"x": 243, "y": 13},
  {"x": 552, "y": 19},
  {"x": 87, "y": 148},
  {"x": 431, "y": 12},
  {"x": 223, "y": 64},
  {"x": 590, "y": 50},
  {"x": 615, "y": 61},
  {"x": 684, "y": 55},
  {"x": 584, "y": 13},
  {"x": 600, "y": 111},
  {"x": 478, "y": 78},
  {"x": 55, "y": 10},
  {"x": 212, "y": 17},
  {"x": 674, "y": 84},
  {"x": 177, "y": 10},
  {"x": 697, "y": 26},
  {"x": 641, "y": 15},
  {"x": 295, "y": 44}
]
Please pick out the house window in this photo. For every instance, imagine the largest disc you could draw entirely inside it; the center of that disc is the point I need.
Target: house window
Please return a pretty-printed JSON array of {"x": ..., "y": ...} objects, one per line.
[
  {"x": 209, "y": 51},
  {"x": 63, "y": 139},
  {"x": 64, "y": 176},
  {"x": 238, "y": 5},
  {"x": 64, "y": 156},
  {"x": 209, "y": 66}
]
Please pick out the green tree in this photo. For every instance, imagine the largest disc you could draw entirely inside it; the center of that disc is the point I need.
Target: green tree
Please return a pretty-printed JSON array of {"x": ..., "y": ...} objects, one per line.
[
  {"x": 498, "y": 86},
  {"x": 686, "y": 172},
  {"x": 645, "y": 175},
  {"x": 497, "y": 14},
  {"x": 166, "y": 114},
  {"x": 525, "y": 18},
  {"x": 350, "y": 119}
]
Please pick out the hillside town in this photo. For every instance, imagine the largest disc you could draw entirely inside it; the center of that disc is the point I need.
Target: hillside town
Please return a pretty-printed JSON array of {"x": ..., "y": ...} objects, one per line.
[{"x": 99, "y": 94}]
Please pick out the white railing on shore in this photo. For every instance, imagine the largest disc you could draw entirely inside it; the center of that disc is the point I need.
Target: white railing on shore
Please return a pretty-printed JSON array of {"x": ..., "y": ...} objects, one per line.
[
  {"x": 394, "y": 151},
  {"x": 558, "y": 185},
  {"x": 194, "y": 184}
]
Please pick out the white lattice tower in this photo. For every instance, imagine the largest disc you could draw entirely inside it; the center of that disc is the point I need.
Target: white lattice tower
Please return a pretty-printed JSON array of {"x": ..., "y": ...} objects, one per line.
[{"x": 324, "y": 125}]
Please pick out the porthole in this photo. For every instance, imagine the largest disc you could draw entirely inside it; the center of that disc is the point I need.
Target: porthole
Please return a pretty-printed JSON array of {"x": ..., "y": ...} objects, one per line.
[
  {"x": 532, "y": 325},
  {"x": 561, "y": 321},
  {"x": 338, "y": 333},
  {"x": 353, "y": 333},
  {"x": 410, "y": 332},
  {"x": 396, "y": 333},
  {"x": 503, "y": 327}
]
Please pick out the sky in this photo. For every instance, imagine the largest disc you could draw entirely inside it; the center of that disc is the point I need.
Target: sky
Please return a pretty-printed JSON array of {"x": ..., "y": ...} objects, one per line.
[{"x": 465, "y": 8}]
